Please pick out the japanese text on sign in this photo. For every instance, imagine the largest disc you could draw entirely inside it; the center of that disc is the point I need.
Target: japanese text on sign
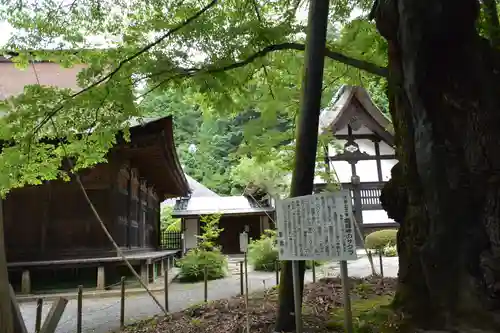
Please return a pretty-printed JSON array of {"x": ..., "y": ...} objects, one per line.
[{"x": 316, "y": 227}]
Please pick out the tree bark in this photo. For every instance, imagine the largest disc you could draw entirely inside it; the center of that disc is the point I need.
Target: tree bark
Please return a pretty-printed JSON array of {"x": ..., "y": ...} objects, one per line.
[
  {"x": 6, "y": 321},
  {"x": 306, "y": 146},
  {"x": 444, "y": 94}
]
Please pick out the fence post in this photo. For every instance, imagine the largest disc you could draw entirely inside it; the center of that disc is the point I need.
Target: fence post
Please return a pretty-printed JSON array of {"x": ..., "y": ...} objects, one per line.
[
  {"x": 54, "y": 316},
  {"x": 314, "y": 271},
  {"x": 205, "y": 280},
  {"x": 122, "y": 302},
  {"x": 277, "y": 269},
  {"x": 241, "y": 278},
  {"x": 38, "y": 318},
  {"x": 166, "y": 289},
  {"x": 79, "y": 309}
]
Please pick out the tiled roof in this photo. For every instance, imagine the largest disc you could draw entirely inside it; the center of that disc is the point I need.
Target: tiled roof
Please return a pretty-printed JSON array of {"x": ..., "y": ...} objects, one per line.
[{"x": 213, "y": 205}]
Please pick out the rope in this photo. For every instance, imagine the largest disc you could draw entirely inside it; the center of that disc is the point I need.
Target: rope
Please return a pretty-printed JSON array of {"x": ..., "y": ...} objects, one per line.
[{"x": 95, "y": 212}]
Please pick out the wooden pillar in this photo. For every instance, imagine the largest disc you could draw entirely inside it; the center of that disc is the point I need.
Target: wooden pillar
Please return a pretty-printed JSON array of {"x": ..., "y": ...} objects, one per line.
[
  {"x": 358, "y": 211},
  {"x": 379, "y": 163},
  {"x": 183, "y": 236},
  {"x": 26, "y": 282},
  {"x": 152, "y": 272},
  {"x": 145, "y": 272},
  {"x": 161, "y": 267},
  {"x": 101, "y": 278},
  {"x": 129, "y": 209}
]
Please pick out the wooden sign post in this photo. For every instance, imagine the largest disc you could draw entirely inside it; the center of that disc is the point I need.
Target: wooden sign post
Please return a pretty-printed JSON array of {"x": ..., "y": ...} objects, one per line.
[
  {"x": 244, "y": 249},
  {"x": 317, "y": 227}
]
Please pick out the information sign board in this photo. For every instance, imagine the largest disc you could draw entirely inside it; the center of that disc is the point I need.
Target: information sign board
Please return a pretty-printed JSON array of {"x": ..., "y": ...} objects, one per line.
[
  {"x": 316, "y": 227},
  {"x": 244, "y": 242}
]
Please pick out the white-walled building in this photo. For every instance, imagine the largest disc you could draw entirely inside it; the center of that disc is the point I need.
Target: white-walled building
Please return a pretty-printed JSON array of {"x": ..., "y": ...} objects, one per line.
[{"x": 363, "y": 148}]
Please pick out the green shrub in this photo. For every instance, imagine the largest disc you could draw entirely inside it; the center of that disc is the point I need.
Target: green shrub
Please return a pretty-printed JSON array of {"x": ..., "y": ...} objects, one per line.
[
  {"x": 263, "y": 253},
  {"x": 209, "y": 224},
  {"x": 309, "y": 263},
  {"x": 379, "y": 239},
  {"x": 390, "y": 251},
  {"x": 192, "y": 265}
]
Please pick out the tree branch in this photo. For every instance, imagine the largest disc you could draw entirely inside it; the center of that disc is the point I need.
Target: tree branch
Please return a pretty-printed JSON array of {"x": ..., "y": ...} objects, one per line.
[
  {"x": 190, "y": 72},
  {"x": 127, "y": 60},
  {"x": 360, "y": 64}
]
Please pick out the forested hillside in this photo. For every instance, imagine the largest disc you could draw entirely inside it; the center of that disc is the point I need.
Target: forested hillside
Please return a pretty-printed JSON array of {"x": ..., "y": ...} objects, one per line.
[{"x": 216, "y": 150}]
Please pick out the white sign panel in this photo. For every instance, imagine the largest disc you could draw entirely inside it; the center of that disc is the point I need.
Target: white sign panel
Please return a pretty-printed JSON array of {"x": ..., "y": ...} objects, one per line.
[
  {"x": 316, "y": 227},
  {"x": 244, "y": 242}
]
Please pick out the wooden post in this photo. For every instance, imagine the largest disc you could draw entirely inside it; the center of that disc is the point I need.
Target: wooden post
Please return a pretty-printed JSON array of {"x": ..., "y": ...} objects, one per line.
[
  {"x": 152, "y": 272},
  {"x": 246, "y": 276},
  {"x": 347, "y": 298},
  {"x": 79, "y": 310},
  {"x": 38, "y": 318},
  {"x": 101, "y": 278},
  {"x": 26, "y": 282},
  {"x": 205, "y": 280},
  {"x": 145, "y": 273},
  {"x": 162, "y": 267},
  {"x": 314, "y": 271},
  {"x": 122, "y": 302},
  {"x": 166, "y": 290},
  {"x": 241, "y": 278},
  {"x": 54, "y": 316},
  {"x": 277, "y": 268}
]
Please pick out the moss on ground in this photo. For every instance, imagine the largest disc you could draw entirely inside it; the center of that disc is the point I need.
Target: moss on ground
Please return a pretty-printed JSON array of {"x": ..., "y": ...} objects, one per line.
[{"x": 372, "y": 315}]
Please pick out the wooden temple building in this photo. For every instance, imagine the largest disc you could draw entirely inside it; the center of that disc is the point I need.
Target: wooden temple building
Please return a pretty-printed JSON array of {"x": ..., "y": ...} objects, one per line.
[
  {"x": 361, "y": 155},
  {"x": 52, "y": 227},
  {"x": 238, "y": 214}
]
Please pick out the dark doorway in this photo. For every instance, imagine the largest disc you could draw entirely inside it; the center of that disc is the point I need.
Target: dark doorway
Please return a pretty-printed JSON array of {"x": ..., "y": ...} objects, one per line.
[{"x": 233, "y": 226}]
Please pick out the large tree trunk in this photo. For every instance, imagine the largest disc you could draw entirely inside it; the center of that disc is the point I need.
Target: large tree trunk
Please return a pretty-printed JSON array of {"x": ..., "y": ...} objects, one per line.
[{"x": 445, "y": 103}]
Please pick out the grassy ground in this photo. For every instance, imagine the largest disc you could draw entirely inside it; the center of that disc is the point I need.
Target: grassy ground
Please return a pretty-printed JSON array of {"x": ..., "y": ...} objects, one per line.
[{"x": 322, "y": 311}]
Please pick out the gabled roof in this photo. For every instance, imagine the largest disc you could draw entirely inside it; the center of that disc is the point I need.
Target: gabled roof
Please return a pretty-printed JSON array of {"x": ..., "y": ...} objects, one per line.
[
  {"x": 198, "y": 189},
  {"x": 234, "y": 205},
  {"x": 351, "y": 103}
]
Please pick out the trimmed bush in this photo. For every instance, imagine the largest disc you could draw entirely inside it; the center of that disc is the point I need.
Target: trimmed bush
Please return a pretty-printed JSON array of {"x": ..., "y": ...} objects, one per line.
[
  {"x": 192, "y": 265},
  {"x": 379, "y": 239}
]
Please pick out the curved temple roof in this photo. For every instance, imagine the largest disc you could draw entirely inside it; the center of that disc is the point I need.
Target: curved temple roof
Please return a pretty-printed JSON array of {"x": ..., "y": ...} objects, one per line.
[
  {"x": 152, "y": 150},
  {"x": 354, "y": 101}
]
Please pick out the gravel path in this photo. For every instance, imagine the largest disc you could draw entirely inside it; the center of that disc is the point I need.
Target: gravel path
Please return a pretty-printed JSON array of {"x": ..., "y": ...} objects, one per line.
[{"x": 101, "y": 315}]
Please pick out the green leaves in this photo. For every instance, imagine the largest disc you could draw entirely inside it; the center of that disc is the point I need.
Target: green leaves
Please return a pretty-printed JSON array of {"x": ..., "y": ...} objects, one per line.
[{"x": 231, "y": 114}]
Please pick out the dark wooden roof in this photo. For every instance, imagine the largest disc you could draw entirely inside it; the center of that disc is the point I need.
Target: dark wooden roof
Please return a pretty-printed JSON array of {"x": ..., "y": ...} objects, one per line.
[
  {"x": 152, "y": 150},
  {"x": 354, "y": 103}
]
